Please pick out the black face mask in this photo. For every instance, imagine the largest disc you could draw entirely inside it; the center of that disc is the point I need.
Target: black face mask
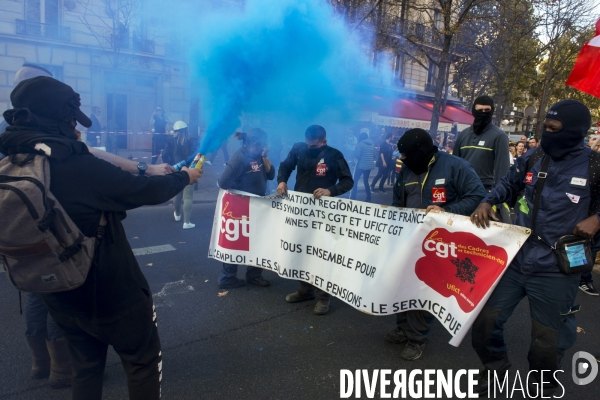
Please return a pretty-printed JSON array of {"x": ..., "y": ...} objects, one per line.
[
  {"x": 558, "y": 144},
  {"x": 482, "y": 119},
  {"x": 418, "y": 162},
  {"x": 314, "y": 153}
]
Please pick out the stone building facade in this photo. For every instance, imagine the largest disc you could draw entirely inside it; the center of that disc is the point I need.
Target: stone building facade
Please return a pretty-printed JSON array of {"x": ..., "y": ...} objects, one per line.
[{"x": 126, "y": 74}]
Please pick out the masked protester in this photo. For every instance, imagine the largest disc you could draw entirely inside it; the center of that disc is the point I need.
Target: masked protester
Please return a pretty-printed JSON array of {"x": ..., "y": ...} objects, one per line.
[
  {"x": 433, "y": 180},
  {"x": 114, "y": 305},
  {"x": 564, "y": 207},
  {"x": 485, "y": 147},
  {"x": 48, "y": 347},
  {"x": 322, "y": 171},
  {"x": 248, "y": 170}
]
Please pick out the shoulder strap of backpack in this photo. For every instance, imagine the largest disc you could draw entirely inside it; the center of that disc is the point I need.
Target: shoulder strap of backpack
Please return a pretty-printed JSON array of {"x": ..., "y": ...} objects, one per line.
[{"x": 535, "y": 157}]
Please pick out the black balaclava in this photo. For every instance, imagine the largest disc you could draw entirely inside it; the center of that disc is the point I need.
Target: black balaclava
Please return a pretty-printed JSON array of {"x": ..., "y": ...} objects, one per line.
[
  {"x": 576, "y": 120},
  {"x": 417, "y": 147},
  {"x": 482, "y": 119},
  {"x": 46, "y": 104},
  {"x": 44, "y": 110},
  {"x": 314, "y": 132}
]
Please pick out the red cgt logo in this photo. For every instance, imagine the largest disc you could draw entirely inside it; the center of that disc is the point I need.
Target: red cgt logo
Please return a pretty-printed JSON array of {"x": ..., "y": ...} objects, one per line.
[
  {"x": 235, "y": 223},
  {"x": 460, "y": 265}
]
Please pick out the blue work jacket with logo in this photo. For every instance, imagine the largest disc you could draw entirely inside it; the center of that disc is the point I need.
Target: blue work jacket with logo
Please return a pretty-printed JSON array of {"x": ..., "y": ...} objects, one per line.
[
  {"x": 564, "y": 202},
  {"x": 462, "y": 188}
]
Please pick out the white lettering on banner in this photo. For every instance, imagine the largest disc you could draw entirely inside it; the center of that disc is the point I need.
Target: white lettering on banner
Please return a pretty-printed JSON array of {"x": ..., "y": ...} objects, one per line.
[
  {"x": 231, "y": 228},
  {"x": 380, "y": 260},
  {"x": 441, "y": 249}
]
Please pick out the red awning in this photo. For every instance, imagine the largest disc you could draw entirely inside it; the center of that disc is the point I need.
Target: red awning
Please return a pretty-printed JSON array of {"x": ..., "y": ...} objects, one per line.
[
  {"x": 452, "y": 113},
  {"x": 414, "y": 110}
]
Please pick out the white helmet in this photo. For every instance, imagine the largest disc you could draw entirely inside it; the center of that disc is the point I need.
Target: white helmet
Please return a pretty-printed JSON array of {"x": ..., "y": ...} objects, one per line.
[{"x": 178, "y": 125}]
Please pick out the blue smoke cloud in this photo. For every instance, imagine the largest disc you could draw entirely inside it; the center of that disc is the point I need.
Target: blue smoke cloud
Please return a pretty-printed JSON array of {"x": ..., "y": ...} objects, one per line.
[{"x": 294, "y": 61}]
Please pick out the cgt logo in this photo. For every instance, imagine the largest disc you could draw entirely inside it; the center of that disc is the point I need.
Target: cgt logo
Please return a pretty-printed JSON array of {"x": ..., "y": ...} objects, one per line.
[
  {"x": 235, "y": 223},
  {"x": 459, "y": 264}
]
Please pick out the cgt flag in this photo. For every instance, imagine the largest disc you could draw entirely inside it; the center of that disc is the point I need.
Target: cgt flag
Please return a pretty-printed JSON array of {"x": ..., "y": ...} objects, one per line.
[
  {"x": 586, "y": 71},
  {"x": 380, "y": 260}
]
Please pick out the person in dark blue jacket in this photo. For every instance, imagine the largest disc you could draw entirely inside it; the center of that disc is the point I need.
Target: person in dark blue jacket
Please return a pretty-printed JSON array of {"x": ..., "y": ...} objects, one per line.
[
  {"x": 433, "y": 180},
  {"x": 248, "y": 170},
  {"x": 564, "y": 208}
]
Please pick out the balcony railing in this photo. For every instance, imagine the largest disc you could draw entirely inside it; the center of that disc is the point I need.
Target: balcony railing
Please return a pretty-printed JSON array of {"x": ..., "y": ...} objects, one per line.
[
  {"x": 143, "y": 45},
  {"x": 48, "y": 31},
  {"x": 119, "y": 42}
]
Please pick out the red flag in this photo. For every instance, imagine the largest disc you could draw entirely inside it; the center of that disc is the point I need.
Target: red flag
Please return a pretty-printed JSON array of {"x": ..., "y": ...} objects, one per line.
[{"x": 586, "y": 72}]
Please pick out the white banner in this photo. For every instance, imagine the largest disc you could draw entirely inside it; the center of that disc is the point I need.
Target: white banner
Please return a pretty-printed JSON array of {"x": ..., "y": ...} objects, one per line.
[{"x": 380, "y": 260}]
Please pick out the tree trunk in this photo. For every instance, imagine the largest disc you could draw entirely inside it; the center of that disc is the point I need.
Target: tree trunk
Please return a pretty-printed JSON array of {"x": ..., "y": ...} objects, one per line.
[
  {"x": 545, "y": 95},
  {"x": 440, "y": 84}
]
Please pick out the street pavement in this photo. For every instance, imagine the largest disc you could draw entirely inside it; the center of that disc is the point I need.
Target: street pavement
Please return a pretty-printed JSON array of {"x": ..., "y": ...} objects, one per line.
[{"x": 250, "y": 343}]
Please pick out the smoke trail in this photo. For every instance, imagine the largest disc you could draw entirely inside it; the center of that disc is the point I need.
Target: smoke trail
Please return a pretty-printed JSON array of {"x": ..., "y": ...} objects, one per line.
[{"x": 292, "y": 59}]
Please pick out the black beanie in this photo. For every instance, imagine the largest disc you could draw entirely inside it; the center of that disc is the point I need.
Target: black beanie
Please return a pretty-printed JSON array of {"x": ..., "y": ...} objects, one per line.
[
  {"x": 484, "y": 101},
  {"x": 49, "y": 98},
  {"x": 575, "y": 117},
  {"x": 417, "y": 147},
  {"x": 576, "y": 121}
]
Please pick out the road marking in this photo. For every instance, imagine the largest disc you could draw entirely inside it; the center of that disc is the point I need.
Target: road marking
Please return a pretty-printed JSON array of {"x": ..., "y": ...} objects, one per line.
[{"x": 142, "y": 251}]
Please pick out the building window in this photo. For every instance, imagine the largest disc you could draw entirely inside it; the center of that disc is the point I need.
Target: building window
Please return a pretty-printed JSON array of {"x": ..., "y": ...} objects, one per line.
[
  {"x": 32, "y": 11},
  {"x": 51, "y": 15},
  {"x": 415, "y": 75},
  {"x": 44, "y": 11}
]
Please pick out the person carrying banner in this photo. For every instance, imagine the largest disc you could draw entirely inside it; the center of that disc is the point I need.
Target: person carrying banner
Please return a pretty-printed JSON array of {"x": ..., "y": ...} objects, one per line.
[
  {"x": 567, "y": 203},
  {"x": 437, "y": 181},
  {"x": 322, "y": 171},
  {"x": 248, "y": 170}
]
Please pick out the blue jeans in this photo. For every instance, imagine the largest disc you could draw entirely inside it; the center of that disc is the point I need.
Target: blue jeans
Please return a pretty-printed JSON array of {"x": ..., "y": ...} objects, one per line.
[
  {"x": 553, "y": 328},
  {"x": 38, "y": 320},
  {"x": 228, "y": 273}
]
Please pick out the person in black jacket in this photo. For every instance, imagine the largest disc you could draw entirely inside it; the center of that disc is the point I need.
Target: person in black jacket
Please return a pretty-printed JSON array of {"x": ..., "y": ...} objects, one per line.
[
  {"x": 322, "y": 171},
  {"x": 114, "y": 305},
  {"x": 384, "y": 162},
  {"x": 248, "y": 170}
]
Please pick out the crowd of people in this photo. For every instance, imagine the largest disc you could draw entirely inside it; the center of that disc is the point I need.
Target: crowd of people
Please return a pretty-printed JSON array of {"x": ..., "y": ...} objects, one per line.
[{"x": 470, "y": 175}]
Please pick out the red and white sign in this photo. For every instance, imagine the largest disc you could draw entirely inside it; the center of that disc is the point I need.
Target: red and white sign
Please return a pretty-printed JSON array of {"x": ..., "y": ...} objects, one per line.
[
  {"x": 322, "y": 168},
  {"x": 380, "y": 260},
  {"x": 529, "y": 177},
  {"x": 438, "y": 195},
  {"x": 234, "y": 229},
  {"x": 254, "y": 166},
  {"x": 585, "y": 75}
]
